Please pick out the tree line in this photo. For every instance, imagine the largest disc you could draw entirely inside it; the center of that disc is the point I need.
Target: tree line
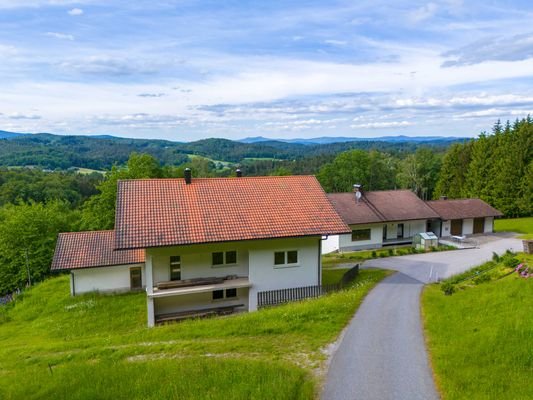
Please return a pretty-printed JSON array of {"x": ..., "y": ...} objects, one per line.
[{"x": 36, "y": 205}]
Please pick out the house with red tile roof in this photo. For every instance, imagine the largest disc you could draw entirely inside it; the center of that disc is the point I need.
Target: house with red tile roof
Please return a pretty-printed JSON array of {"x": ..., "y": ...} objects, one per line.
[
  {"x": 206, "y": 245},
  {"x": 394, "y": 217}
]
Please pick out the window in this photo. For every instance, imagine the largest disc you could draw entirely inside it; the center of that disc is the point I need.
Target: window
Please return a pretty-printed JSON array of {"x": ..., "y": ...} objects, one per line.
[
  {"x": 135, "y": 278},
  {"x": 175, "y": 268},
  {"x": 286, "y": 257},
  {"x": 292, "y": 257},
  {"x": 224, "y": 258},
  {"x": 360, "y": 234},
  {"x": 227, "y": 294}
]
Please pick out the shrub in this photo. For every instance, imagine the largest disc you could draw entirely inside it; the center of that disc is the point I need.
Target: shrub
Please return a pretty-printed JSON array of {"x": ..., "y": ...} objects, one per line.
[
  {"x": 448, "y": 288},
  {"x": 510, "y": 261},
  {"x": 481, "y": 279}
]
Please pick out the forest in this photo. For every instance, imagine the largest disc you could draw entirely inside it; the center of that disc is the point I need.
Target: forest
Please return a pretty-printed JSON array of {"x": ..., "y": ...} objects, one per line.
[{"x": 37, "y": 204}]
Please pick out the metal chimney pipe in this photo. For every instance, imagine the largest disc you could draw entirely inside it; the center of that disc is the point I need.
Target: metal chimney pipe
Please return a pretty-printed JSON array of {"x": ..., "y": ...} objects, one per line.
[{"x": 188, "y": 176}]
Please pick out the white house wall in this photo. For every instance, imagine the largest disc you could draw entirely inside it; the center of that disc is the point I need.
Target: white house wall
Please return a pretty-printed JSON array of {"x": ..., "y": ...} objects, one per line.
[
  {"x": 104, "y": 279},
  {"x": 410, "y": 228},
  {"x": 489, "y": 225},
  {"x": 376, "y": 238},
  {"x": 330, "y": 244},
  {"x": 264, "y": 275},
  {"x": 196, "y": 261},
  {"x": 255, "y": 260}
]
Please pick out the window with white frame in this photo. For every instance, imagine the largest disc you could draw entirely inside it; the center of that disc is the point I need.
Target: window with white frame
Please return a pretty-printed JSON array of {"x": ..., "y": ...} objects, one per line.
[
  {"x": 289, "y": 257},
  {"x": 220, "y": 258}
]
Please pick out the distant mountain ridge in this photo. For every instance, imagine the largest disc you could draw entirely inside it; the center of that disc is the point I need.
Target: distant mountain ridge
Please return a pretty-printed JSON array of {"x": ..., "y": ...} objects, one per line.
[
  {"x": 344, "y": 139},
  {"x": 99, "y": 152}
]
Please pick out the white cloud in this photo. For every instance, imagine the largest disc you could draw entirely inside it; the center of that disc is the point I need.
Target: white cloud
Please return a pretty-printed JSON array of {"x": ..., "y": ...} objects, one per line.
[
  {"x": 492, "y": 113},
  {"x": 334, "y": 42},
  {"x": 423, "y": 13},
  {"x": 75, "y": 11},
  {"x": 62, "y": 36},
  {"x": 23, "y": 116},
  {"x": 509, "y": 48},
  {"x": 382, "y": 125}
]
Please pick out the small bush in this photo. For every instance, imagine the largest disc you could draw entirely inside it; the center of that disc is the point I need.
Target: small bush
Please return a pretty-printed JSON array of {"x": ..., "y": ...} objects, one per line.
[
  {"x": 510, "y": 261},
  {"x": 448, "y": 288},
  {"x": 481, "y": 279}
]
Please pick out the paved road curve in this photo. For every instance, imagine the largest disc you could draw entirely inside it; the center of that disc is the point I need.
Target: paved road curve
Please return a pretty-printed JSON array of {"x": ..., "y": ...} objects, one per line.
[{"x": 382, "y": 355}]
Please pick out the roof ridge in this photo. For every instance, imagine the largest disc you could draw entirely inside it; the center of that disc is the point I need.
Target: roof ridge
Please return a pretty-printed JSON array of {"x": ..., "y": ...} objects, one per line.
[{"x": 221, "y": 178}]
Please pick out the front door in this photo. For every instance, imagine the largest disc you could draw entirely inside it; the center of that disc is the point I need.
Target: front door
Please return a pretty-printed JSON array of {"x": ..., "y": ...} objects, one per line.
[
  {"x": 136, "y": 278},
  {"x": 400, "y": 231},
  {"x": 479, "y": 225},
  {"x": 457, "y": 227}
]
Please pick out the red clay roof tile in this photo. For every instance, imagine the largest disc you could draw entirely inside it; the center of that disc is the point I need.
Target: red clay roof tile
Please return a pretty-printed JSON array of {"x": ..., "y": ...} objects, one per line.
[
  {"x": 164, "y": 212},
  {"x": 91, "y": 249}
]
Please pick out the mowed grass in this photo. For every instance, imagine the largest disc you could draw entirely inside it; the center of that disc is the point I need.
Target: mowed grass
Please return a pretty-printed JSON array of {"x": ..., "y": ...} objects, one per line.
[
  {"x": 332, "y": 260},
  {"x": 481, "y": 339},
  {"x": 98, "y": 346},
  {"x": 519, "y": 225}
]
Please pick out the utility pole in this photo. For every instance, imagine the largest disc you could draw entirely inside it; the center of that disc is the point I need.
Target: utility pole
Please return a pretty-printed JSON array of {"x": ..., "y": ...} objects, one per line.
[{"x": 28, "y": 267}]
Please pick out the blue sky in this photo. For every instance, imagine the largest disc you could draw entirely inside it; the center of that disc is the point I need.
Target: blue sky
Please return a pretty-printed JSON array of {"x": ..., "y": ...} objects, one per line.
[{"x": 184, "y": 70}]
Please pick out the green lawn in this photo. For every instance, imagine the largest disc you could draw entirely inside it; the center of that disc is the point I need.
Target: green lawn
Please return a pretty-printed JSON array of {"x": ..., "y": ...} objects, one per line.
[
  {"x": 353, "y": 257},
  {"x": 481, "y": 338},
  {"x": 519, "y": 225},
  {"x": 97, "y": 346}
]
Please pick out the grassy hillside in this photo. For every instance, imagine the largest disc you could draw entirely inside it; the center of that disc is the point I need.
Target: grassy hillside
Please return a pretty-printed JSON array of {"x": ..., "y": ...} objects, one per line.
[
  {"x": 97, "y": 346},
  {"x": 519, "y": 225},
  {"x": 481, "y": 337}
]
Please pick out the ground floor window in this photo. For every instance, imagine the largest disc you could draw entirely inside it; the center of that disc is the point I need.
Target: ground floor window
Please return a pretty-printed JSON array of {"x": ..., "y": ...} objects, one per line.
[
  {"x": 289, "y": 257},
  {"x": 361, "y": 234},
  {"x": 224, "y": 294},
  {"x": 175, "y": 268}
]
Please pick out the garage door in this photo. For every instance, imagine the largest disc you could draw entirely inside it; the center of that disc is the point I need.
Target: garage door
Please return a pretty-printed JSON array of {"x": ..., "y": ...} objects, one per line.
[
  {"x": 479, "y": 225},
  {"x": 457, "y": 227}
]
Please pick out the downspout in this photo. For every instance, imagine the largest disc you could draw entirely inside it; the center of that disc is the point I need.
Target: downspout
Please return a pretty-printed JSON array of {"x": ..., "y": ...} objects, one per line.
[
  {"x": 320, "y": 261},
  {"x": 73, "y": 282}
]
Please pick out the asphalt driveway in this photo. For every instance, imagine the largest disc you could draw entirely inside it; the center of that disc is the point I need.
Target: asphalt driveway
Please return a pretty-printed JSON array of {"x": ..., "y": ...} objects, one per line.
[{"x": 382, "y": 354}]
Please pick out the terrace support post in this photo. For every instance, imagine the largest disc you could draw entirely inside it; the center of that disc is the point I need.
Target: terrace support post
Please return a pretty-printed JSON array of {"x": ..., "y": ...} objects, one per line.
[{"x": 150, "y": 311}]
